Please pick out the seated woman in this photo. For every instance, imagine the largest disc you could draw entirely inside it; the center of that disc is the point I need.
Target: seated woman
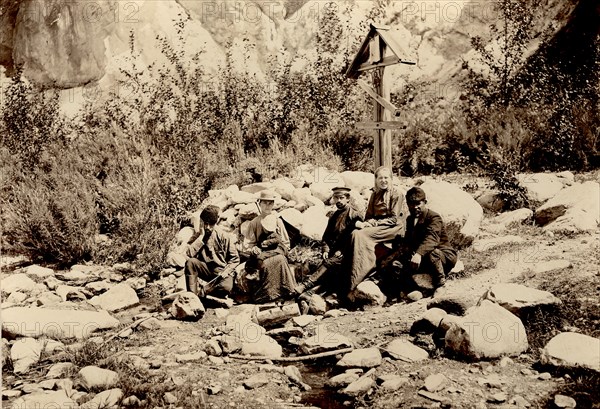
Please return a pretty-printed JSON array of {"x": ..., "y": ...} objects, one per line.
[
  {"x": 383, "y": 222},
  {"x": 276, "y": 278}
]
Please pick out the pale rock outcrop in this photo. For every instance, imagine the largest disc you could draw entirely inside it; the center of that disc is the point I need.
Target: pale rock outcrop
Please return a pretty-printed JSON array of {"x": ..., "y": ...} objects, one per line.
[
  {"x": 38, "y": 271},
  {"x": 402, "y": 349},
  {"x": 570, "y": 349},
  {"x": 361, "y": 358},
  {"x": 487, "y": 331},
  {"x": 574, "y": 209},
  {"x": 59, "y": 324},
  {"x": 24, "y": 353},
  {"x": 118, "y": 298},
  {"x": 17, "y": 282},
  {"x": 515, "y": 297},
  {"x": 541, "y": 186},
  {"x": 95, "y": 378},
  {"x": 456, "y": 207}
]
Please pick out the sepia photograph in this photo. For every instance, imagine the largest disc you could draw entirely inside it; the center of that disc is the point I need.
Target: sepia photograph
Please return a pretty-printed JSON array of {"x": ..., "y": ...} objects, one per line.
[{"x": 284, "y": 204}]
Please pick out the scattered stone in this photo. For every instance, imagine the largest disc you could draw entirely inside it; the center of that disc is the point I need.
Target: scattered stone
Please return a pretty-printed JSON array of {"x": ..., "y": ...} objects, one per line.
[
  {"x": 433, "y": 396},
  {"x": 187, "y": 306},
  {"x": 422, "y": 281},
  {"x": 394, "y": 383},
  {"x": 76, "y": 277},
  {"x": 562, "y": 401},
  {"x": 293, "y": 373},
  {"x": 230, "y": 344},
  {"x": 361, "y": 386},
  {"x": 216, "y": 360},
  {"x": 149, "y": 324},
  {"x": 317, "y": 305},
  {"x": 519, "y": 402},
  {"x": 256, "y": 381},
  {"x": 212, "y": 348},
  {"x": 368, "y": 292},
  {"x": 118, "y": 298},
  {"x": 52, "y": 283},
  {"x": 505, "y": 361},
  {"x": 570, "y": 349},
  {"x": 95, "y": 378},
  {"x": 70, "y": 293},
  {"x": 155, "y": 364},
  {"x": 170, "y": 398},
  {"x": 515, "y": 297},
  {"x": 39, "y": 272},
  {"x": 342, "y": 380},
  {"x": 303, "y": 320},
  {"x": 214, "y": 389},
  {"x": 435, "y": 382},
  {"x": 544, "y": 376},
  {"x": 99, "y": 287},
  {"x": 334, "y": 314},
  {"x": 11, "y": 394},
  {"x": 404, "y": 350},
  {"x": 502, "y": 221},
  {"x": 429, "y": 322},
  {"x": 185, "y": 358},
  {"x": 17, "y": 282},
  {"x": 415, "y": 295},
  {"x": 60, "y": 369},
  {"x": 45, "y": 399},
  {"x": 24, "y": 353},
  {"x": 16, "y": 297},
  {"x": 498, "y": 398},
  {"x": 526, "y": 371},
  {"x": 324, "y": 341},
  {"x": 131, "y": 401},
  {"x": 263, "y": 346},
  {"x": 106, "y": 399},
  {"x": 136, "y": 283},
  {"x": 362, "y": 358},
  {"x": 487, "y": 331},
  {"x": 31, "y": 388},
  {"x": 48, "y": 298}
]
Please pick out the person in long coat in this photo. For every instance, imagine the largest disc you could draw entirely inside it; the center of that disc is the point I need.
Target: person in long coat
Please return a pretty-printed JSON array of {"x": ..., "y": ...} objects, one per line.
[
  {"x": 276, "y": 280},
  {"x": 383, "y": 222}
]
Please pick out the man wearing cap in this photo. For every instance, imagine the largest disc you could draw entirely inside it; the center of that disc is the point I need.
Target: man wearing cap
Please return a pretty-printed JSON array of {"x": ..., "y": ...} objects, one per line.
[
  {"x": 425, "y": 245},
  {"x": 212, "y": 254},
  {"x": 276, "y": 278},
  {"x": 335, "y": 242}
]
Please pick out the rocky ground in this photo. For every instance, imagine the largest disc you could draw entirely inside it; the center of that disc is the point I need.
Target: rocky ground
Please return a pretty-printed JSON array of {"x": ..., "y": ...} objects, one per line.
[{"x": 402, "y": 353}]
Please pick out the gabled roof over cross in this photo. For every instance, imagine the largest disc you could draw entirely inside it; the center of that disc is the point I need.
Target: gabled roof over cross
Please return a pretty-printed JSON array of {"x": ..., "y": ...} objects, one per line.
[{"x": 371, "y": 52}]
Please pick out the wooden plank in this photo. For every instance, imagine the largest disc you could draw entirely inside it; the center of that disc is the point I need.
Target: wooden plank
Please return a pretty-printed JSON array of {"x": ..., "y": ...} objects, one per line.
[
  {"x": 385, "y": 61},
  {"x": 389, "y": 38},
  {"x": 380, "y": 100},
  {"x": 380, "y": 125},
  {"x": 375, "y": 54},
  {"x": 383, "y": 155}
]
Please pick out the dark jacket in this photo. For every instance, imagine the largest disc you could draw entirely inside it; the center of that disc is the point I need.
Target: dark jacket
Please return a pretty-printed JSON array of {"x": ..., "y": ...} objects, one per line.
[
  {"x": 427, "y": 234},
  {"x": 339, "y": 230},
  {"x": 218, "y": 251}
]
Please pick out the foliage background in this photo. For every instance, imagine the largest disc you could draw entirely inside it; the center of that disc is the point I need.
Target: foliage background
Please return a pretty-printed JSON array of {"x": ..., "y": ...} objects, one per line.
[{"x": 115, "y": 183}]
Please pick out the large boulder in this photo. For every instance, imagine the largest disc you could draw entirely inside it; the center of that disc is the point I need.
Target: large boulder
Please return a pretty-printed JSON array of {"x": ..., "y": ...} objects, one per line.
[
  {"x": 17, "y": 282},
  {"x": 361, "y": 358},
  {"x": 314, "y": 222},
  {"x": 570, "y": 349},
  {"x": 502, "y": 221},
  {"x": 61, "y": 324},
  {"x": 575, "y": 208},
  {"x": 358, "y": 181},
  {"x": 541, "y": 186},
  {"x": 118, "y": 298},
  {"x": 24, "y": 353},
  {"x": 458, "y": 210},
  {"x": 95, "y": 378},
  {"x": 406, "y": 351},
  {"x": 487, "y": 331},
  {"x": 515, "y": 297}
]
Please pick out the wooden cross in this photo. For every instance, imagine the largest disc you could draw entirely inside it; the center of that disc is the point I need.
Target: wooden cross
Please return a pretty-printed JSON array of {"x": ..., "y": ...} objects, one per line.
[{"x": 372, "y": 58}]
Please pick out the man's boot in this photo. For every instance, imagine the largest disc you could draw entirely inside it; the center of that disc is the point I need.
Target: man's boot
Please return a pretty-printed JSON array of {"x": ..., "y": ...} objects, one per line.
[
  {"x": 191, "y": 283},
  {"x": 311, "y": 280},
  {"x": 438, "y": 276}
]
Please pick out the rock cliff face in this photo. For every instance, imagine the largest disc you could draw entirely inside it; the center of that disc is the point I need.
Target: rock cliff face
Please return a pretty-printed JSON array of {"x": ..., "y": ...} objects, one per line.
[{"x": 68, "y": 44}]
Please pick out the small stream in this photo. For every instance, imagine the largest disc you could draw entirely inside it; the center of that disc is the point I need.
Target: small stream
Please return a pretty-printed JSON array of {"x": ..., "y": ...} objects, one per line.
[{"x": 316, "y": 374}]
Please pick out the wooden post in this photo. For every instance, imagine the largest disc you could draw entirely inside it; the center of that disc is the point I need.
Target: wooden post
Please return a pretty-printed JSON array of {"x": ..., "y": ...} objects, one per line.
[{"x": 383, "y": 140}]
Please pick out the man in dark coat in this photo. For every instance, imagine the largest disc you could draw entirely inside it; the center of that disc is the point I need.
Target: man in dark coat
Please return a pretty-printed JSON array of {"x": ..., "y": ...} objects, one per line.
[
  {"x": 213, "y": 257},
  {"x": 425, "y": 247},
  {"x": 336, "y": 241}
]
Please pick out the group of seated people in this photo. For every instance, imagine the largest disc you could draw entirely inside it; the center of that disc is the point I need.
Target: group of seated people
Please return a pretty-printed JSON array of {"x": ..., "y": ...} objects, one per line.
[{"x": 419, "y": 244}]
